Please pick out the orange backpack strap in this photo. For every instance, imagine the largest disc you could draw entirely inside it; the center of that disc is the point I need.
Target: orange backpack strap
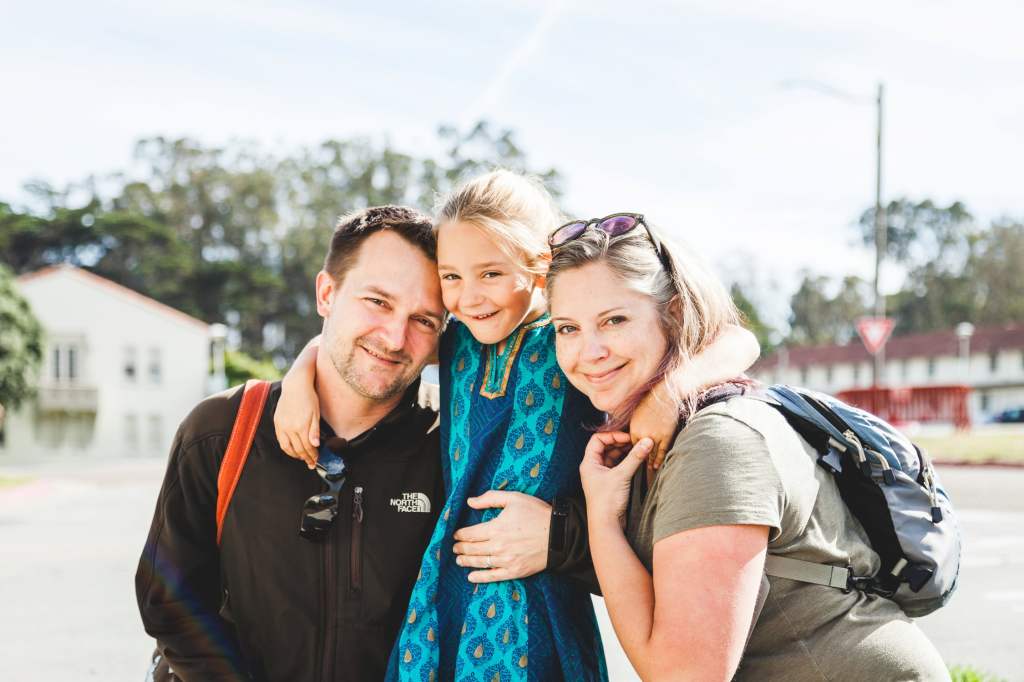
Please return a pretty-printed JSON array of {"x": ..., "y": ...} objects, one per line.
[{"x": 254, "y": 397}]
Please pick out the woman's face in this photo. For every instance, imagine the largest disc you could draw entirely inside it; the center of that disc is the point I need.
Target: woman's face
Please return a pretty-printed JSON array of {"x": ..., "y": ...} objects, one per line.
[{"x": 608, "y": 337}]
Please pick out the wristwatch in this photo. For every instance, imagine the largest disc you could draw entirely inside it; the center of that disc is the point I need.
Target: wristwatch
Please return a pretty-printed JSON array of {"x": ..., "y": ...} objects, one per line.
[{"x": 559, "y": 514}]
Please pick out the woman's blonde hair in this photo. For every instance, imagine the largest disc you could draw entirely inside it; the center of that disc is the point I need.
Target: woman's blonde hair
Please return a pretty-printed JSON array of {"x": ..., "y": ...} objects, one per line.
[
  {"x": 693, "y": 304},
  {"x": 513, "y": 209}
]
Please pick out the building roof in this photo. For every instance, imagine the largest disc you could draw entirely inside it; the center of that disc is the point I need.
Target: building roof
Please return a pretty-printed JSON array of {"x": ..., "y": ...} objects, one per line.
[
  {"x": 987, "y": 339},
  {"x": 90, "y": 278}
]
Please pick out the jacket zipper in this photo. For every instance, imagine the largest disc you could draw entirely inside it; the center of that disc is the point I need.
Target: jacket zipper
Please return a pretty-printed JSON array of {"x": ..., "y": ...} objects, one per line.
[
  {"x": 330, "y": 607},
  {"x": 356, "y": 565}
]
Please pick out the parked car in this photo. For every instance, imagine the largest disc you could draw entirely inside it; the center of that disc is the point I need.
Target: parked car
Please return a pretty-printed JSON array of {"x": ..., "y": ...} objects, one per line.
[{"x": 1013, "y": 415}]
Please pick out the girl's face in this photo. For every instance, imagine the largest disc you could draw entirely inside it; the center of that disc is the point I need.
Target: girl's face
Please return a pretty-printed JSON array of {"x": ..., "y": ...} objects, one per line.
[
  {"x": 481, "y": 286},
  {"x": 608, "y": 337}
]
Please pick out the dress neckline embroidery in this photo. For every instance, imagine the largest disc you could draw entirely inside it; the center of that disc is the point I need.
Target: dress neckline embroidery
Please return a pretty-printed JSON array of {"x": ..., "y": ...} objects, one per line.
[{"x": 498, "y": 367}]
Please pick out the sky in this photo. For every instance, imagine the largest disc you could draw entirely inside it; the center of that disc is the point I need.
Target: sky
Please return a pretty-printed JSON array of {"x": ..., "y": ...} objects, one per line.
[{"x": 746, "y": 130}]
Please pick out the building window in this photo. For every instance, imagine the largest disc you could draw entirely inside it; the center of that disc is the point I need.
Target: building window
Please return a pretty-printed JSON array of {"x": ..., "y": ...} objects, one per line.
[
  {"x": 803, "y": 376},
  {"x": 993, "y": 361},
  {"x": 130, "y": 362},
  {"x": 931, "y": 368},
  {"x": 905, "y": 369},
  {"x": 154, "y": 365},
  {"x": 856, "y": 373},
  {"x": 131, "y": 430},
  {"x": 985, "y": 401},
  {"x": 65, "y": 362},
  {"x": 828, "y": 374},
  {"x": 156, "y": 432}
]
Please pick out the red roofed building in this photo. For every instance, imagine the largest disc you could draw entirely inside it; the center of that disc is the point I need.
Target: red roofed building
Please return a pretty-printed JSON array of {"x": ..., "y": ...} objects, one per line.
[{"x": 991, "y": 362}]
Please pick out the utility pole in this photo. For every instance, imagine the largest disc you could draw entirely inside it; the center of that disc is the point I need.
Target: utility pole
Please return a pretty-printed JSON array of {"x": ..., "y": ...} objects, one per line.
[
  {"x": 880, "y": 239},
  {"x": 877, "y": 374}
]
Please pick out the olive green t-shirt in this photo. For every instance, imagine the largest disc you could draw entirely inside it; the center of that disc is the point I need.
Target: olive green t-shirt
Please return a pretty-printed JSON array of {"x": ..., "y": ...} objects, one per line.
[{"x": 739, "y": 462}]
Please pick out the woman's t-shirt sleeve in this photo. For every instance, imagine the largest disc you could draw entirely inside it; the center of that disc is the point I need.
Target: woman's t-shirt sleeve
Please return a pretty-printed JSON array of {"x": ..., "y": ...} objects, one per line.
[{"x": 719, "y": 472}]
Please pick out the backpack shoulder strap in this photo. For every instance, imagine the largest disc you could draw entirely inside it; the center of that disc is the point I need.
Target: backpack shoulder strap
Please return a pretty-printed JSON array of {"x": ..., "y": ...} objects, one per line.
[{"x": 254, "y": 397}]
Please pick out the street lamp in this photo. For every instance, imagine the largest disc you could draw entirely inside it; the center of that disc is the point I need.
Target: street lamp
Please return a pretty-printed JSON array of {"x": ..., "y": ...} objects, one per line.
[
  {"x": 964, "y": 332},
  {"x": 880, "y": 231}
]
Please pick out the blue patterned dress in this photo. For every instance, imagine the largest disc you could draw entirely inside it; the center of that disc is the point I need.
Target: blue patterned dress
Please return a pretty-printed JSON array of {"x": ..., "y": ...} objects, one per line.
[{"x": 509, "y": 421}]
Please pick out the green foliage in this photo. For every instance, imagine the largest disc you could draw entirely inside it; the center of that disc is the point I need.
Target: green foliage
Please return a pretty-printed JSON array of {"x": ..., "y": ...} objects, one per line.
[
  {"x": 764, "y": 333},
  {"x": 818, "y": 317},
  {"x": 240, "y": 367},
  {"x": 996, "y": 273},
  {"x": 21, "y": 344},
  {"x": 236, "y": 234},
  {"x": 956, "y": 271},
  {"x": 919, "y": 233},
  {"x": 966, "y": 673},
  {"x": 233, "y": 233},
  {"x": 983, "y": 285}
]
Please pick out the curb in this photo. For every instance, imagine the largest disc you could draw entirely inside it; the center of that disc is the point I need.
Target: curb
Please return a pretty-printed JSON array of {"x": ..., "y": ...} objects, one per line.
[{"x": 989, "y": 463}]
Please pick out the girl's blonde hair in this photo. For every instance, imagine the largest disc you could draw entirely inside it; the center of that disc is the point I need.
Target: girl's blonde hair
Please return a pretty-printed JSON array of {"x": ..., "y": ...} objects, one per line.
[
  {"x": 693, "y": 304},
  {"x": 513, "y": 209}
]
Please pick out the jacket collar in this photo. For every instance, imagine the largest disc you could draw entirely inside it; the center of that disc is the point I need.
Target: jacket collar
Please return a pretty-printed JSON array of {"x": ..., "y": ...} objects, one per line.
[{"x": 403, "y": 409}]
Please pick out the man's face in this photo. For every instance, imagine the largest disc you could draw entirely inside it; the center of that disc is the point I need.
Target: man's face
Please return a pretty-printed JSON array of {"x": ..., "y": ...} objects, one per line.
[{"x": 383, "y": 320}]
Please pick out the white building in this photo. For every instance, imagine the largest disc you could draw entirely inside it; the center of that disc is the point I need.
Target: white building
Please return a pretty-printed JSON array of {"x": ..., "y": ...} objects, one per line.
[
  {"x": 990, "y": 361},
  {"x": 120, "y": 370}
]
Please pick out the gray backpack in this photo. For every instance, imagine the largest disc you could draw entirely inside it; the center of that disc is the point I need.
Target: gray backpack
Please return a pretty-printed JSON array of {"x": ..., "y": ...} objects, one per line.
[{"x": 890, "y": 486}]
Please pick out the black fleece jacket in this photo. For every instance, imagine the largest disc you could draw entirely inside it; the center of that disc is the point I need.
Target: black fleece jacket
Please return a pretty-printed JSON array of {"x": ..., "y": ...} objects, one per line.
[{"x": 268, "y": 605}]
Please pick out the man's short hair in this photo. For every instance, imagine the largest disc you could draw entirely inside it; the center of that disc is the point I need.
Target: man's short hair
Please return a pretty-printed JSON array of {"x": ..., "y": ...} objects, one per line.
[{"x": 354, "y": 228}]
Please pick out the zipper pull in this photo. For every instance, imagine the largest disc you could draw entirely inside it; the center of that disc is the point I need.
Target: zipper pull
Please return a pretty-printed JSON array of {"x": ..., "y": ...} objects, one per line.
[
  {"x": 887, "y": 475},
  {"x": 933, "y": 494},
  {"x": 357, "y": 504},
  {"x": 862, "y": 460}
]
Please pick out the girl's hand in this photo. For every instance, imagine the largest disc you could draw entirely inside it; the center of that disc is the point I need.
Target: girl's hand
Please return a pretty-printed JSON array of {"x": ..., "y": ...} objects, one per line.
[
  {"x": 606, "y": 472},
  {"x": 657, "y": 418},
  {"x": 297, "y": 417}
]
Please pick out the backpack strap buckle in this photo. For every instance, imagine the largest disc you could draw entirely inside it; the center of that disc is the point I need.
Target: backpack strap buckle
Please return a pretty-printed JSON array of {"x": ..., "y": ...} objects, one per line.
[{"x": 840, "y": 577}]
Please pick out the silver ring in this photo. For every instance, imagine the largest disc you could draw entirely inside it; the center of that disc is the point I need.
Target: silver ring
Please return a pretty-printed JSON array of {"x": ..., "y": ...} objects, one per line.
[{"x": 489, "y": 565}]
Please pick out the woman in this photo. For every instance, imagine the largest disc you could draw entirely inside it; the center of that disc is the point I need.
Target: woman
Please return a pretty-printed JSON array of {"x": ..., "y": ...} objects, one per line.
[{"x": 681, "y": 560}]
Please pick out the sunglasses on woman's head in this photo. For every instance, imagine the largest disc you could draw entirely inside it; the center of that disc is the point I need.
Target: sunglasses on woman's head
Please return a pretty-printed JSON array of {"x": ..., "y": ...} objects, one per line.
[
  {"x": 319, "y": 511},
  {"x": 613, "y": 225}
]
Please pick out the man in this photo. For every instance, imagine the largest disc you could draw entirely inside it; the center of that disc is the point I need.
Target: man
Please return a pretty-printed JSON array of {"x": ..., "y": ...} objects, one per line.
[{"x": 267, "y": 604}]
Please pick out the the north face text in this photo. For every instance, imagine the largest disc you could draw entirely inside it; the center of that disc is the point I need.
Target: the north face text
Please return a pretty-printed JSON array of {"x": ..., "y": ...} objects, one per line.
[{"x": 411, "y": 502}]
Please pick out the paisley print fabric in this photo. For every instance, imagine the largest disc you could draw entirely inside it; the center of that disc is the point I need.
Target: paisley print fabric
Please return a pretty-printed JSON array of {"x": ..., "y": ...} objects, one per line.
[{"x": 509, "y": 421}]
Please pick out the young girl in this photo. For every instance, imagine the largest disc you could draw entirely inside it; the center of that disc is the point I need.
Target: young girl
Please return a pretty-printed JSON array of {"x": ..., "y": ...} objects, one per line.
[{"x": 509, "y": 421}]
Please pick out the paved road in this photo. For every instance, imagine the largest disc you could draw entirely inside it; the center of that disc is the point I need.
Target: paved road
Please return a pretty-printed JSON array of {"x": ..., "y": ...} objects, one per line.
[{"x": 71, "y": 537}]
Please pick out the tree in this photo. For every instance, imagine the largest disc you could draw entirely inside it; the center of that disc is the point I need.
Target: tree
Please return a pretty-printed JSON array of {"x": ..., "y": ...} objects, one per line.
[
  {"x": 996, "y": 271},
  {"x": 818, "y": 318},
  {"x": 934, "y": 244},
  {"x": 21, "y": 345},
  {"x": 764, "y": 333},
  {"x": 956, "y": 271},
  {"x": 920, "y": 233},
  {"x": 341, "y": 176},
  {"x": 233, "y": 233},
  {"x": 239, "y": 368}
]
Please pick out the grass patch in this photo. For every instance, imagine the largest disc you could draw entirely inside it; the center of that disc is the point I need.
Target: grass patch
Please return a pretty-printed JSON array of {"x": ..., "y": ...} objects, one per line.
[
  {"x": 966, "y": 673},
  {"x": 974, "y": 446},
  {"x": 11, "y": 481}
]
